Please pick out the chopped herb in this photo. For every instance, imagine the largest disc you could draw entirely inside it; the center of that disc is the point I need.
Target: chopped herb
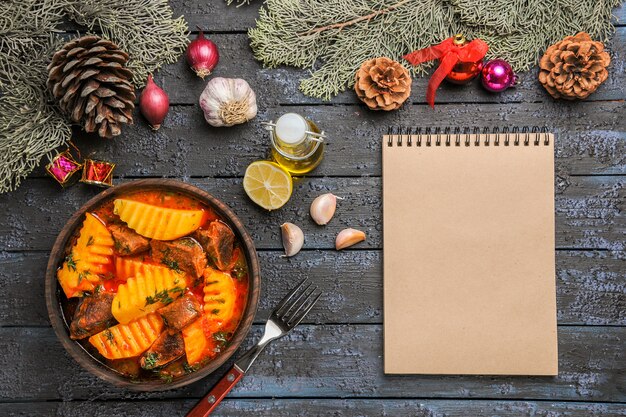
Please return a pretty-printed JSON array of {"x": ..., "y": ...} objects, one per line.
[
  {"x": 239, "y": 271},
  {"x": 119, "y": 304},
  {"x": 150, "y": 360},
  {"x": 167, "y": 378},
  {"x": 221, "y": 338},
  {"x": 82, "y": 275},
  {"x": 109, "y": 335},
  {"x": 107, "y": 276},
  {"x": 215, "y": 311},
  {"x": 163, "y": 296},
  {"x": 90, "y": 241},
  {"x": 218, "y": 300},
  {"x": 98, "y": 289},
  {"x": 121, "y": 248},
  {"x": 210, "y": 283},
  {"x": 71, "y": 262},
  {"x": 171, "y": 264},
  {"x": 188, "y": 368}
]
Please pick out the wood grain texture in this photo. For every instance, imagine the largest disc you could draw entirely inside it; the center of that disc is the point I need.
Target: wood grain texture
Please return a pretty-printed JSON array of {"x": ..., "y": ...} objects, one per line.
[
  {"x": 589, "y": 212},
  {"x": 331, "y": 361},
  {"x": 341, "y": 358},
  {"x": 590, "y": 138},
  {"x": 591, "y": 289},
  {"x": 318, "y": 407}
]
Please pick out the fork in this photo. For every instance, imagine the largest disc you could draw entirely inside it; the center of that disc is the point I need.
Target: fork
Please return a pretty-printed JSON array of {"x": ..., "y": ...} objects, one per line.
[{"x": 287, "y": 315}]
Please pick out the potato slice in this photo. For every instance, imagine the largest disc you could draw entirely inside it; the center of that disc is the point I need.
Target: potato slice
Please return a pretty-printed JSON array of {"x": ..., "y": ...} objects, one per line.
[
  {"x": 156, "y": 222},
  {"x": 128, "y": 340},
  {"x": 146, "y": 293},
  {"x": 89, "y": 259}
]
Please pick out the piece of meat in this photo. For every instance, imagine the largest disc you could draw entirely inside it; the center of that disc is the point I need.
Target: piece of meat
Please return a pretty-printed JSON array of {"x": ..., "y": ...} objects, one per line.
[
  {"x": 92, "y": 315},
  {"x": 167, "y": 348},
  {"x": 183, "y": 254},
  {"x": 181, "y": 312},
  {"x": 126, "y": 241},
  {"x": 218, "y": 241}
]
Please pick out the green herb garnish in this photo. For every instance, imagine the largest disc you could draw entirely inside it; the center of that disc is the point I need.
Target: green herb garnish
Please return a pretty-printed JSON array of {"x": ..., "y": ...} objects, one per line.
[
  {"x": 167, "y": 378},
  {"x": 221, "y": 337},
  {"x": 90, "y": 241},
  {"x": 82, "y": 275},
  {"x": 71, "y": 262},
  {"x": 109, "y": 335},
  {"x": 215, "y": 311},
  {"x": 163, "y": 296},
  {"x": 188, "y": 368},
  {"x": 171, "y": 264},
  {"x": 150, "y": 360}
]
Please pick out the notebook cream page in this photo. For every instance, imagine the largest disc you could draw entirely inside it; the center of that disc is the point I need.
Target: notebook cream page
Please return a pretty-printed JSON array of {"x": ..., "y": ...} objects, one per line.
[{"x": 469, "y": 270}]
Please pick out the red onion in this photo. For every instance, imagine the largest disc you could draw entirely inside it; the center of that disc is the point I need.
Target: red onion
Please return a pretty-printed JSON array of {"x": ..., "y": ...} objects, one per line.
[
  {"x": 154, "y": 104},
  {"x": 202, "y": 55}
]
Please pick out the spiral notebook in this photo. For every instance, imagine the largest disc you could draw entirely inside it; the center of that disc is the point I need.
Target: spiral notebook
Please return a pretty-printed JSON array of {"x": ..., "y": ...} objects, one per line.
[{"x": 469, "y": 272}]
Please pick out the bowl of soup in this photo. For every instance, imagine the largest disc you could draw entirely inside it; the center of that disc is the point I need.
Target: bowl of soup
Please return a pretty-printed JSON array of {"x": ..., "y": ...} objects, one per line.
[{"x": 152, "y": 284}]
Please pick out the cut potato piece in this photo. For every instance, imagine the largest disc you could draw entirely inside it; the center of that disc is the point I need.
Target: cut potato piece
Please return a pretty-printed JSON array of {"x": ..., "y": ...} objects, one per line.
[
  {"x": 130, "y": 267},
  {"x": 147, "y": 292},
  {"x": 156, "y": 222},
  {"x": 128, "y": 340},
  {"x": 220, "y": 295},
  {"x": 90, "y": 258},
  {"x": 199, "y": 342}
]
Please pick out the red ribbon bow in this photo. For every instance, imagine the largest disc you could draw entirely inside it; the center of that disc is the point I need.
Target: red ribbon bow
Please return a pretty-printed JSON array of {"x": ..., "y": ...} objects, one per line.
[{"x": 449, "y": 54}]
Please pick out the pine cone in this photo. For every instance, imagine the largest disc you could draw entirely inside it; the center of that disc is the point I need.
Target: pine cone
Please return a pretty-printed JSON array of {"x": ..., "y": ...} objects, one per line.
[
  {"x": 574, "y": 67},
  {"x": 89, "y": 79},
  {"x": 382, "y": 84}
]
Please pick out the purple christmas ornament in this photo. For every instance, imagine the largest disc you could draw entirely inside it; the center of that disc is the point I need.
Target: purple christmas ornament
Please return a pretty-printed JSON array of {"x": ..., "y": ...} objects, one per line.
[{"x": 497, "y": 75}]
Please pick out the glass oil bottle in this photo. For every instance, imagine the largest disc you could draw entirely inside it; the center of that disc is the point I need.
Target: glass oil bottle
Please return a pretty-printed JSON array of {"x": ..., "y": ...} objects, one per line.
[{"x": 297, "y": 143}]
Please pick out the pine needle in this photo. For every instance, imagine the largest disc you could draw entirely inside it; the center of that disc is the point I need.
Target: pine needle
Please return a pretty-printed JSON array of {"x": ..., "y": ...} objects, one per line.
[
  {"x": 333, "y": 37},
  {"x": 31, "y": 126}
]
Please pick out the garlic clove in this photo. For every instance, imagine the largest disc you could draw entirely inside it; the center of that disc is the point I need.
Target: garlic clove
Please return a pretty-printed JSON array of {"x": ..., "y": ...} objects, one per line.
[
  {"x": 348, "y": 237},
  {"x": 323, "y": 208},
  {"x": 293, "y": 238}
]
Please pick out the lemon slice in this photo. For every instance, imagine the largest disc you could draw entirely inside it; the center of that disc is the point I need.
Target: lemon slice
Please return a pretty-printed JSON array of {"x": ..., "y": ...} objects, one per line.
[{"x": 268, "y": 184}]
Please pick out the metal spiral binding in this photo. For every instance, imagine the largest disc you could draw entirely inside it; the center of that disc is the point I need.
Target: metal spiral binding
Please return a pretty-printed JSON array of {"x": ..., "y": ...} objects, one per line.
[{"x": 409, "y": 136}]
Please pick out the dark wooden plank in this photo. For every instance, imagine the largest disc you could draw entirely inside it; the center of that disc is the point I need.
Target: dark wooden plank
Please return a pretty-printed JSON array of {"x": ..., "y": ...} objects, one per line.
[
  {"x": 588, "y": 212},
  {"x": 591, "y": 138},
  {"x": 619, "y": 14},
  {"x": 319, "y": 407},
  {"x": 590, "y": 286},
  {"x": 327, "y": 361},
  {"x": 281, "y": 85}
]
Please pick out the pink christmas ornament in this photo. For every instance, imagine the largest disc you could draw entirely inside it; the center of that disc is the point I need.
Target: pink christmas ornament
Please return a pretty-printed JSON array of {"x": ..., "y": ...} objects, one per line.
[{"x": 497, "y": 75}]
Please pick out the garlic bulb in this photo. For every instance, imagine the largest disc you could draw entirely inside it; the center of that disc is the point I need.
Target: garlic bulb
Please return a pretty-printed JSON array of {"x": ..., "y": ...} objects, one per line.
[
  {"x": 323, "y": 208},
  {"x": 293, "y": 238},
  {"x": 228, "y": 101}
]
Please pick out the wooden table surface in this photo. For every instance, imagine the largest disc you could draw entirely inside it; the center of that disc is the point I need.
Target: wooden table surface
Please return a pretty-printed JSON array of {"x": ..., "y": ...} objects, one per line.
[{"x": 332, "y": 364}]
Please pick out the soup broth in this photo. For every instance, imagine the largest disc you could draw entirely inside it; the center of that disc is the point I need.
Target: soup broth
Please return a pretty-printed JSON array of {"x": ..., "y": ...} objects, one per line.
[{"x": 153, "y": 284}]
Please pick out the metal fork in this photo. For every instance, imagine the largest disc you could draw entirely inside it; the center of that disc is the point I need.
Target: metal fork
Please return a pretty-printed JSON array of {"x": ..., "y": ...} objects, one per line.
[{"x": 287, "y": 315}]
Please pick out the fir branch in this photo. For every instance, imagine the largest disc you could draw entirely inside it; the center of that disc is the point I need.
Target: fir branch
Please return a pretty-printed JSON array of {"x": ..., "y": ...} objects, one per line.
[
  {"x": 355, "y": 20},
  {"x": 146, "y": 29},
  {"x": 31, "y": 126},
  {"x": 333, "y": 37}
]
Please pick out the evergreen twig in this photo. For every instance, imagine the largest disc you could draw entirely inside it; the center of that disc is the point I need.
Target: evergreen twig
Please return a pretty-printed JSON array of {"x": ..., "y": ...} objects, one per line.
[
  {"x": 31, "y": 126},
  {"x": 333, "y": 37}
]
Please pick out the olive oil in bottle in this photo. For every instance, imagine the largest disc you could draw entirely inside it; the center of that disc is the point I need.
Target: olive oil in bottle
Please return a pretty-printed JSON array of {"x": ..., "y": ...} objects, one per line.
[{"x": 297, "y": 143}]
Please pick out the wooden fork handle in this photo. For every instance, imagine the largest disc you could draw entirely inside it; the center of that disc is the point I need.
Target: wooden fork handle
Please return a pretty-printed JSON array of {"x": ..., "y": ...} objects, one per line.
[{"x": 217, "y": 394}]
